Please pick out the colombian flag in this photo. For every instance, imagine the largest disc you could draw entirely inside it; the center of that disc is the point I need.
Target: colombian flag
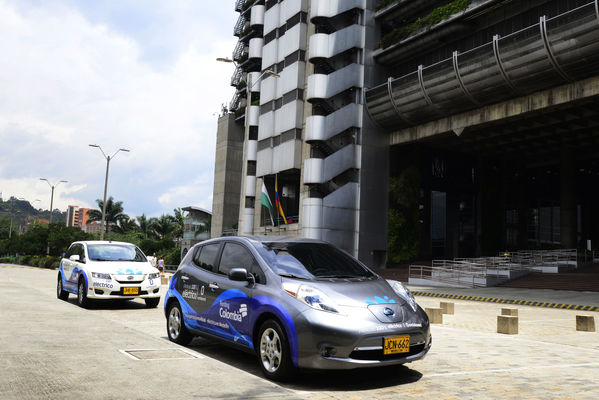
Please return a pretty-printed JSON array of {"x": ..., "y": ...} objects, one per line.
[{"x": 278, "y": 203}]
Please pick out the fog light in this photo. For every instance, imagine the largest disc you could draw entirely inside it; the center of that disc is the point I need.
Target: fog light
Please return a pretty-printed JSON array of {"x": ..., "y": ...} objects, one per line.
[
  {"x": 328, "y": 351},
  {"x": 98, "y": 291}
]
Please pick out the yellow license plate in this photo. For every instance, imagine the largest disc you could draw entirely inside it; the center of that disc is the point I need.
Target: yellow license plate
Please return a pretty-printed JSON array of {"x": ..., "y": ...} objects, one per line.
[
  {"x": 396, "y": 344},
  {"x": 130, "y": 290}
]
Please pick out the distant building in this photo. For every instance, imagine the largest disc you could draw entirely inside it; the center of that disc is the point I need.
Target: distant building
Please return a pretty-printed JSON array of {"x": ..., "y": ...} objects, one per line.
[
  {"x": 92, "y": 227},
  {"x": 196, "y": 228},
  {"x": 77, "y": 216}
]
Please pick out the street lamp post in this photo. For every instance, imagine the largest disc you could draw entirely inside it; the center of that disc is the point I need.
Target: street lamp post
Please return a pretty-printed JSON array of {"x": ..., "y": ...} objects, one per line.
[
  {"x": 51, "y": 206},
  {"x": 108, "y": 158},
  {"x": 52, "y": 193}
]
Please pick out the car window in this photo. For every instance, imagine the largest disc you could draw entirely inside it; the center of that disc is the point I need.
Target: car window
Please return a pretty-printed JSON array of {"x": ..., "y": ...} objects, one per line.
[
  {"x": 71, "y": 251},
  {"x": 237, "y": 256},
  {"x": 80, "y": 250},
  {"x": 311, "y": 260},
  {"x": 115, "y": 252},
  {"x": 205, "y": 257}
]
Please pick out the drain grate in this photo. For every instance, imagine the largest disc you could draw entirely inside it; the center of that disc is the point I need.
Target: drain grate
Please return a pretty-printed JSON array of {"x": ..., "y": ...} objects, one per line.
[{"x": 160, "y": 354}]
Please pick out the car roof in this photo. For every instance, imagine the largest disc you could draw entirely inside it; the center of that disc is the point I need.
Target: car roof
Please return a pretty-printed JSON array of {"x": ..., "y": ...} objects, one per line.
[
  {"x": 105, "y": 242},
  {"x": 266, "y": 239}
]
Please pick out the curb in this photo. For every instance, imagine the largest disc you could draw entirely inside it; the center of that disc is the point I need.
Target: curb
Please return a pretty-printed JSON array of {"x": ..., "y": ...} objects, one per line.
[{"x": 508, "y": 301}]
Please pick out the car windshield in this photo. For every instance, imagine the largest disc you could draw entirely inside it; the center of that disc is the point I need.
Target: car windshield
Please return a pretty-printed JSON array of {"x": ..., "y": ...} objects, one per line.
[
  {"x": 311, "y": 260},
  {"x": 115, "y": 252}
]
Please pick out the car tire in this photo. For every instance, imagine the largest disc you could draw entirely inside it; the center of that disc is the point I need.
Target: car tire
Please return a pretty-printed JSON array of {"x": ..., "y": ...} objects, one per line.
[
  {"x": 82, "y": 300},
  {"x": 175, "y": 326},
  {"x": 60, "y": 292},
  {"x": 152, "y": 302},
  {"x": 273, "y": 351}
]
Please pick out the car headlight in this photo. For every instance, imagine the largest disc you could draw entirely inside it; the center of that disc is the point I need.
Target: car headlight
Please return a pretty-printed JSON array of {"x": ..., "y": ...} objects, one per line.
[
  {"x": 404, "y": 293},
  {"x": 154, "y": 275},
  {"x": 100, "y": 275},
  {"x": 311, "y": 297}
]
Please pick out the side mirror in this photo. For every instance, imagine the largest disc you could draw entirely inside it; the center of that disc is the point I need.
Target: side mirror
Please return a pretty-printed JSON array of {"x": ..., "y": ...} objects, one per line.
[
  {"x": 74, "y": 257},
  {"x": 238, "y": 274}
]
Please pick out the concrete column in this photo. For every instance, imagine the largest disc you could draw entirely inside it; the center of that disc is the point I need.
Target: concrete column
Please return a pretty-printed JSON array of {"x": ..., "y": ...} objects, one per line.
[{"x": 568, "y": 220}]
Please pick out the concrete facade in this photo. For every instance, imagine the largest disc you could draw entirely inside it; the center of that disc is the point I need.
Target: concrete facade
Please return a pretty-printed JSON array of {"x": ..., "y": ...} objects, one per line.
[
  {"x": 227, "y": 176},
  {"x": 488, "y": 112}
]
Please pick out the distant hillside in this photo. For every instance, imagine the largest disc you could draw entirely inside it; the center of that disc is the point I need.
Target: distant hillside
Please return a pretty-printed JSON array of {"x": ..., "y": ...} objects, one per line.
[{"x": 19, "y": 210}]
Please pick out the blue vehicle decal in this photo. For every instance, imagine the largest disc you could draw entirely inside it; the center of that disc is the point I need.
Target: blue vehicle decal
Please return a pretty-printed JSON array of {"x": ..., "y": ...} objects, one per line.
[
  {"x": 70, "y": 284},
  {"x": 378, "y": 300},
  {"x": 129, "y": 271},
  {"x": 225, "y": 322}
]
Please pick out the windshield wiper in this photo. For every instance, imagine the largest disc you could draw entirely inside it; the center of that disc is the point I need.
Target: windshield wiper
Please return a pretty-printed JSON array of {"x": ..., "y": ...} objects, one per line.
[
  {"x": 338, "y": 276},
  {"x": 293, "y": 276}
]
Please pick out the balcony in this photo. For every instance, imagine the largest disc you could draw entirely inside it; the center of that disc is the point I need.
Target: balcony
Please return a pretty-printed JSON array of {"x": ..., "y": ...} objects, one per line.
[
  {"x": 331, "y": 8},
  {"x": 561, "y": 49}
]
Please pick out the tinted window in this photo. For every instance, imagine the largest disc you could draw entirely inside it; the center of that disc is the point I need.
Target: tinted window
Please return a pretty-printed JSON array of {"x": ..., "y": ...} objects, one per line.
[
  {"x": 114, "y": 252},
  {"x": 312, "y": 260},
  {"x": 206, "y": 256},
  {"x": 81, "y": 251},
  {"x": 72, "y": 250},
  {"x": 235, "y": 256}
]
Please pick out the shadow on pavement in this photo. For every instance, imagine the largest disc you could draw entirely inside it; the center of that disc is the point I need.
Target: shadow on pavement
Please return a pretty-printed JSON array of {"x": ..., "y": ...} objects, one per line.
[
  {"x": 312, "y": 380},
  {"x": 110, "y": 304}
]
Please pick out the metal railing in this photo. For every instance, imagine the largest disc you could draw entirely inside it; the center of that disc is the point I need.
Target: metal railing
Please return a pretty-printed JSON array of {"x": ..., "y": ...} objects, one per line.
[{"x": 475, "y": 272}]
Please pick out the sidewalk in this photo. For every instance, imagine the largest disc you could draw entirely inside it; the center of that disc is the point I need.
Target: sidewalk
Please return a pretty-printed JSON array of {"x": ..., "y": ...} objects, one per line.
[{"x": 562, "y": 299}]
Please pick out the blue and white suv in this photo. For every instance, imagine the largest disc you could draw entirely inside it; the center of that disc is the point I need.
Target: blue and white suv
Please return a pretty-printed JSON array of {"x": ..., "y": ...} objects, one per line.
[{"x": 102, "y": 270}]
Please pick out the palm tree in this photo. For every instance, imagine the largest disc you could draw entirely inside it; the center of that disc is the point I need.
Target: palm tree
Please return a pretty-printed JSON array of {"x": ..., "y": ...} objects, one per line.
[
  {"x": 114, "y": 212},
  {"x": 164, "y": 226},
  {"x": 126, "y": 225},
  {"x": 145, "y": 225},
  {"x": 179, "y": 220}
]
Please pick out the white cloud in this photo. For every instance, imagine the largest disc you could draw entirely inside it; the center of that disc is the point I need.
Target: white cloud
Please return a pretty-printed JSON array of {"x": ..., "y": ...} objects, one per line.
[{"x": 67, "y": 82}]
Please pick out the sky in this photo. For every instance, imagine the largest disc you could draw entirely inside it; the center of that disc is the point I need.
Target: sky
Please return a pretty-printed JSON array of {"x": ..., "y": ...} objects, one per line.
[{"x": 133, "y": 74}]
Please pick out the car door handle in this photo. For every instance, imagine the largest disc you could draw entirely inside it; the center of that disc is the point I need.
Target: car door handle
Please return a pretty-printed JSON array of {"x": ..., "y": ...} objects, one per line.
[
  {"x": 213, "y": 286},
  {"x": 185, "y": 278}
]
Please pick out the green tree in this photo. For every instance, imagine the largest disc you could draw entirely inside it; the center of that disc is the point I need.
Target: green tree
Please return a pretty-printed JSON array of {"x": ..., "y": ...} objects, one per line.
[
  {"x": 125, "y": 225},
  {"x": 60, "y": 237},
  {"x": 403, "y": 226},
  {"x": 179, "y": 221},
  {"x": 145, "y": 225},
  {"x": 114, "y": 212},
  {"x": 164, "y": 226}
]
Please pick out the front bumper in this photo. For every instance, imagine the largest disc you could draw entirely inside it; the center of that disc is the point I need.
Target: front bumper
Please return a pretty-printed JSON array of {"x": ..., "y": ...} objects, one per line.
[
  {"x": 115, "y": 288},
  {"x": 330, "y": 341}
]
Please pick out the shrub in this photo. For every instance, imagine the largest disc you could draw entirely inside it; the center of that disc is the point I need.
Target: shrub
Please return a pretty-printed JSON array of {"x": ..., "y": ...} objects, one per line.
[
  {"x": 173, "y": 257},
  {"x": 434, "y": 17}
]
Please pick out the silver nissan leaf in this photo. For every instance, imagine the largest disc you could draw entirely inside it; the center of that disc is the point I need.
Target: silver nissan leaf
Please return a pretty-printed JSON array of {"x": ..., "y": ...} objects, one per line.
[{"x": 295, "y": 303}]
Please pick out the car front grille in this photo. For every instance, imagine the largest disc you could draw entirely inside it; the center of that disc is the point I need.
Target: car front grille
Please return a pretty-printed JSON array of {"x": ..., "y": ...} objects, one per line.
[
  {"x": 377, "y": 355},
  {"x": 124, "y": 279}
]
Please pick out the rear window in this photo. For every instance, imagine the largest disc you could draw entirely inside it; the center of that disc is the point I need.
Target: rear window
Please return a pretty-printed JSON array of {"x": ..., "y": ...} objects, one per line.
[
  {"x": 311, "y": 260},
  {"x": 115, "y": 252}
]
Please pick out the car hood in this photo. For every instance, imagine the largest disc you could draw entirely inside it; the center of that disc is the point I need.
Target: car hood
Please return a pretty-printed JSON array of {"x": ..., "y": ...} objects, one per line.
[
  {"x": 359, "y": 293},
  {"x": 123, "y": 267}
]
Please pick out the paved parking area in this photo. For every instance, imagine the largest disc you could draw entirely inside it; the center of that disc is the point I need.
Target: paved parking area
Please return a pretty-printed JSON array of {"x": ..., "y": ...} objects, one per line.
[{"x": 120, "y": 350}]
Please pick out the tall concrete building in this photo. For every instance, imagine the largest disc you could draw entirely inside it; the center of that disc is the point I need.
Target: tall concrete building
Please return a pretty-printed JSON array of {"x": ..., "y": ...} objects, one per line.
[{"x": 418, "y": 128}]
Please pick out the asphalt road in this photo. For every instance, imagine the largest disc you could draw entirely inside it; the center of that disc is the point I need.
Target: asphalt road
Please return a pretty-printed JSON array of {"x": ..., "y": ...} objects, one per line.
[{"x": 53, "y": 349}]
